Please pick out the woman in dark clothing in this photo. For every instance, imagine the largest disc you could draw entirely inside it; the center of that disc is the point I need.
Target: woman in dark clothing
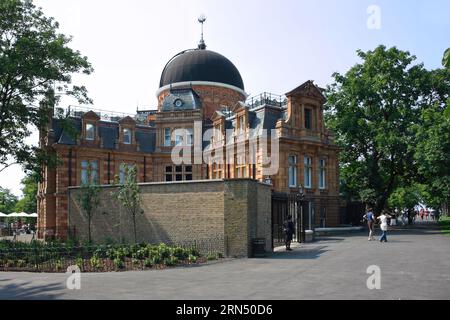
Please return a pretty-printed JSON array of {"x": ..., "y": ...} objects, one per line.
[{"x": 289, "y": 232}]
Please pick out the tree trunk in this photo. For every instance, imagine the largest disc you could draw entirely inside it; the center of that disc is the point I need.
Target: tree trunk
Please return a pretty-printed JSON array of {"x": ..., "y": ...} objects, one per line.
[
  {"x": 134, "y": 228},
  {"x": 89, "y": 229}
]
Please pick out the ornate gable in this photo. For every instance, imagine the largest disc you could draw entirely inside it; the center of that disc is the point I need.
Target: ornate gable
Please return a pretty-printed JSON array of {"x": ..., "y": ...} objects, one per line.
[
  {"x": 91, "y": 115},
  {"x": 309, "y": 90},
  {"x": 127, "y": 121}
]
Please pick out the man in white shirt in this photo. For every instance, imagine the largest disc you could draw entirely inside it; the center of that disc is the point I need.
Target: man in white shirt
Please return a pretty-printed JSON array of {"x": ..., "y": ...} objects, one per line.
[{"x": 384, "y": 225}]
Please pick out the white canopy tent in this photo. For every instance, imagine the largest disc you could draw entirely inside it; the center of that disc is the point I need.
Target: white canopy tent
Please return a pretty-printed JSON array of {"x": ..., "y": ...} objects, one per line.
[{"x": 19, "y": 215}]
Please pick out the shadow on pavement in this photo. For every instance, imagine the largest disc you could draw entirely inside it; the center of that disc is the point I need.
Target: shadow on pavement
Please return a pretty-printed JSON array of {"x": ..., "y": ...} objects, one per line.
[
  {"x": 299, "y": 253},
  {"x": 24, "y": 291}
]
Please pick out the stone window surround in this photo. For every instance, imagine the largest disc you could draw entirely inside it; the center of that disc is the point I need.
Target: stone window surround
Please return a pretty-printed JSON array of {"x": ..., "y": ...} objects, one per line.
[
  {"x": 295, "y": 166},
  {"x": 325, "y": 170},
  {"x": 173, "y": 173},
  {"x": 311, "y": 170},
  {"x": 312, "y": 123},
  {"x": 173, "y": 138},
  {"x": 241, "y": 168},
  {"x": 80, "y": 169},
  {"x": 118, "y": 164},
  {"x": 131, "y": 132}
]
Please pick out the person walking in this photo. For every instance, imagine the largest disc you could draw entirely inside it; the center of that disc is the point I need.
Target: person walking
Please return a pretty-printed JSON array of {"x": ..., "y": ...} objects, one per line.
[
  {"x": 370, "y": 217},
  {"x": 384, "y": 225},
  {"x": 288, "y": 227}
]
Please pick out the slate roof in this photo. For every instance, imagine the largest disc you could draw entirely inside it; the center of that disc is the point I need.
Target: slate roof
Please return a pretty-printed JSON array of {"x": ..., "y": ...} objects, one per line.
[
  {"x": 188, "y": 98},
  {"x": 108, "y": 132}
]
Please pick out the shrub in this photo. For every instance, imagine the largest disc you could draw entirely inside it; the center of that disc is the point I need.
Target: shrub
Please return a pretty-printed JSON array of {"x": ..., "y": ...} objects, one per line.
[
  {"x": 192, "y": 258},
  {"x": 180, "y": 253},
  {"x": 136, "y": 261},
  {"x": 156, "y": 259},
  {"x": 118, "y": 264},
  {"x": 58, "y": 265},
  {"x": 21, "y": 263},
  {"x": 79, "y": 262},
  {"x": 95, "y": 262},
  {"x": 171, "y": 261},
  {"x": 148, "y": 263},
  {"x": 164, "y": 251},
  {"x": 193, "y": 251},
  {"x": 211, "y": 257},
  {"x": 139, "y": 254}
]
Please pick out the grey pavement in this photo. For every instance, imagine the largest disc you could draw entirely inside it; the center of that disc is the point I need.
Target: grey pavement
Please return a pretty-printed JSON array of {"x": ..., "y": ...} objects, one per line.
[{"x": 415, "y": 264}]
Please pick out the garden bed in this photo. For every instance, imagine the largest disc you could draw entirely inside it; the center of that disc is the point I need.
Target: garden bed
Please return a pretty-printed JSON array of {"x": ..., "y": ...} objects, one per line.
[{"x": 39, "y": 257}]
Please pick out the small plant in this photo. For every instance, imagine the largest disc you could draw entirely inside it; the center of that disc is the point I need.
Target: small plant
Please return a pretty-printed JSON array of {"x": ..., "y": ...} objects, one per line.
[
  {"x": 171, "y": 261},
  {"x": 136, "y": 261},
  {"x": 10, "y": 263},
  {"x": 164, "y": 251},
  {"x": 156, "y": 259},
  {"x": 79, "y": 262},
  {"x": 192, "y": 258},
  {"x": 21, "y": 263},
  {"x": 148, "y": 263},
  {"x": 180, "y": 253},
  {"x": 211, "y": 257},
  {"x": 194, "y": 252},
  {"x": 58, "y": 265},
  {"x": 95, "y": 262},
  {"x": 119, "y": 264}
]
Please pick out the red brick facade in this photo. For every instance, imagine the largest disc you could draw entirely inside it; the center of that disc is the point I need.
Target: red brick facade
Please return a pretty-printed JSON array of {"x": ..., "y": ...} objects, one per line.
[{"x": 299, "y": 138}]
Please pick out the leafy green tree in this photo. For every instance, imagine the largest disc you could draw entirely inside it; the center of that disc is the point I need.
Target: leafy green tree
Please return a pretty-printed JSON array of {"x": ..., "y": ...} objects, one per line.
[
  {"x": 433, "y": 154},
  {"x": 129, "y": 195},
  {"x": 373, "y": 109},
  {"x": 28, "y": 203},
  {"x": 34, "y": 61},
  {"x": 8, "y": 201},
  {"x": 89, "y": 199},
  {"x": 446, "y": 59}
]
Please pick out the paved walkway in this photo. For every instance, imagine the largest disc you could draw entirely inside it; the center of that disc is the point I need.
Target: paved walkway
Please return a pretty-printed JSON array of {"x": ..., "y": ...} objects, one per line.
[{"x": 415, "y": 264}]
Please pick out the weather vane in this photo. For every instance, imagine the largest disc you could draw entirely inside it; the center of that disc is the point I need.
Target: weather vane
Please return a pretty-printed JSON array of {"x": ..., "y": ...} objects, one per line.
[{"x": 202, "y": 44}]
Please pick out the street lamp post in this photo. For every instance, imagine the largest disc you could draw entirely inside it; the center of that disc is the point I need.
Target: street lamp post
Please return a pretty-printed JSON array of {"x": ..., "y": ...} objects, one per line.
[{"x": 300, "y": 201}]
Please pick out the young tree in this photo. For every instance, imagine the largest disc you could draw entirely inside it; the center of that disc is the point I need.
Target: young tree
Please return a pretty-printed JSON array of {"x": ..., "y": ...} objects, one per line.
[
  {"x": 129, "y": 195},
  {"x": 89, "y": 198},
  {"x": 373, "y": 109},
  {"x": 34, "y": 61}
]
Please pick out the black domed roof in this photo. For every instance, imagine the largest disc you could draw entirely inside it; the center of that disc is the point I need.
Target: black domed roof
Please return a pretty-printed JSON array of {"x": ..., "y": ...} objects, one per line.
[{"x": 201, "y": 65}]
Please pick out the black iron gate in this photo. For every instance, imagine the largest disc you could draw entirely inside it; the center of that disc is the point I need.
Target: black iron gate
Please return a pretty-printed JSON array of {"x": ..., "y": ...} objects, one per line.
[{"x": 284, "y": 205}]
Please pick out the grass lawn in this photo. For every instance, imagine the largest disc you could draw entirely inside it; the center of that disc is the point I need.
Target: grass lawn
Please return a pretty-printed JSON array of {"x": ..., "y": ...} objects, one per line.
[{"x": 444, "y": 222}]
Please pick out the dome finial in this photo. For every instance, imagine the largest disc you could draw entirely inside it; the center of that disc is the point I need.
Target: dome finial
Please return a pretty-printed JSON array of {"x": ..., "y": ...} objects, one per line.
[{"x": 202, "y": 45}]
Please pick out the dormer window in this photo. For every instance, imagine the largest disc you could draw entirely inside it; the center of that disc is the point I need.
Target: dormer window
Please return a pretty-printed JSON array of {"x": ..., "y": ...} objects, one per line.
[
  {"x": 241, "y": 124},
  {"x": 190, "y": 136},
  {"x": 179, "y": 138},
  {"x": 127, "y": 136},
  {"x": 218, "y": 134},
  {"x": 308, "y": 119},
  {"x": 167, "y": 138},
  {"x": 90, "y": 132}
]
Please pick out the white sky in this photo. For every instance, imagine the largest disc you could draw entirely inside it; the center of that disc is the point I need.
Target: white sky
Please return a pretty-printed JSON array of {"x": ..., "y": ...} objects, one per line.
[{"x": 276, "y": 45}]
